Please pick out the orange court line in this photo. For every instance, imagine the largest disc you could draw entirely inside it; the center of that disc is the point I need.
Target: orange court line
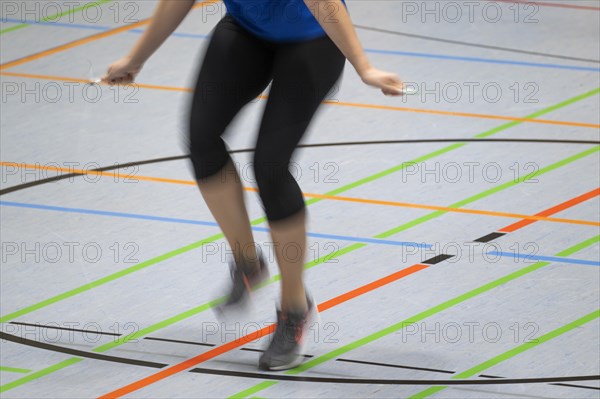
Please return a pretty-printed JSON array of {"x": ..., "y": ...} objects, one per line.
[
  {"x": 555, "y": 209},
  {"x": 219, "y": 350},
  {"x": 331, "y": 102},
  {"x": 81, "y": 80},
  {"x": 72, "y": 44},
  {"x": 229, "y": 346},
  {"x": 464, "y": 114},
  {"x": 85, "y": 40},
  {"x": 540, "y": 217},
  {"x": 456, "y": 210}
]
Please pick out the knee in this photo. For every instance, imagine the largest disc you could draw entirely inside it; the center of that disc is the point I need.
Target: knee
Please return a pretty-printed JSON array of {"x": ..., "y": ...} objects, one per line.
[
  {"x": 279, "y": 192},
  {"x": 208, "y": 156},
  {"x": 269, "y": 175}
]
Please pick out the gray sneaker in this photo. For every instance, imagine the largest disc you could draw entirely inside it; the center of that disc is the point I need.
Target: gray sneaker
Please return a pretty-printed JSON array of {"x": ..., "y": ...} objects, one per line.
[
  {"x": 244, "y": 280},
  {"x": 284, "y": 350}
]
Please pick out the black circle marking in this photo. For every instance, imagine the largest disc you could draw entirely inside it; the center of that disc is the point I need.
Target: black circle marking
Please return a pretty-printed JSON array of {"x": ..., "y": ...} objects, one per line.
[
  {"x": 282, "y": 377},
  {"x": 347, "y": 143}
]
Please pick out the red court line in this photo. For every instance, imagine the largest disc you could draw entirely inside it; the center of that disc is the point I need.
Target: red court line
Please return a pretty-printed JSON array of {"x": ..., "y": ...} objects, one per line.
[
  {"x": 151, "y": 379},
  {"x": 137, "y": 385},
  {"x": 551, "y": 211},
  {"x": 547, "y": 4}
]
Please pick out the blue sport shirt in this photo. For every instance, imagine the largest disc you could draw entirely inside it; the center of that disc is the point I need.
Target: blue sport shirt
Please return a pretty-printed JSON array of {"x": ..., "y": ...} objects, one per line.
[{"x": 278, "y": 20}]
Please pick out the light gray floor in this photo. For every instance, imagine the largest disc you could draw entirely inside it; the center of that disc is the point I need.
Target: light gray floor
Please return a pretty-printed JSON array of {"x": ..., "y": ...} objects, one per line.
[{"x": 122, "y": 253}]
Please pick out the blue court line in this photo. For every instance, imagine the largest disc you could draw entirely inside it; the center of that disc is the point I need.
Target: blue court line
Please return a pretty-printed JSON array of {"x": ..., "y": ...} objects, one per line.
[
  {"x": 484, "y": 60},
  {"x": 96, "y": 27},
  {"x": 545, "y": 258},
  {"x": 58, "y": 24},
  {"x": 368, "y": 50},
  {"x": 205, "y": 223},
  {"x": 177, "y": 34},
  {"x": 266, "y": 230}
]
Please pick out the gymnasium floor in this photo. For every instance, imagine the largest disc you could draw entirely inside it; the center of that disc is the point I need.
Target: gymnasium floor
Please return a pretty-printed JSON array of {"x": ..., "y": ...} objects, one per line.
[{"x": 454, "y": 234}]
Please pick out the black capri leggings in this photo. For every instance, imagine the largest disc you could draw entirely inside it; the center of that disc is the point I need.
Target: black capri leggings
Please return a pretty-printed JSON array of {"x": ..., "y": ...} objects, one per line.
[{"x": 237, "y": 67}]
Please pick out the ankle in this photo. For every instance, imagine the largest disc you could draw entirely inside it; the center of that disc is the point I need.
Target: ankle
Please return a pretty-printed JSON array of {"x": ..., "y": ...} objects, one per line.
[
  {"x": 296, "y": 307},
  {"x": 249, "y": 265}
]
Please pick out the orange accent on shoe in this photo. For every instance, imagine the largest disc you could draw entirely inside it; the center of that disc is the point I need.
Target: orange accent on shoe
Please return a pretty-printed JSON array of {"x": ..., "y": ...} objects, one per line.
[{"x": 247, "y": 283}]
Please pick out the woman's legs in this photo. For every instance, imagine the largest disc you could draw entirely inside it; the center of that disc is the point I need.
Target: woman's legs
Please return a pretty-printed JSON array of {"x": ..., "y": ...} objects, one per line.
[
  {"x": 290, "y": 250},
  {"x": 224, "y": 195},
  {"x": 236, "y": 69},
  {"x": 303, "y": 74}
]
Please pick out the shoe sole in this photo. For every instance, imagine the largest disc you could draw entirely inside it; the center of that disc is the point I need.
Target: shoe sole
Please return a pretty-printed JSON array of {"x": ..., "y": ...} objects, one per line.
[{"x": 297, "y": 361}]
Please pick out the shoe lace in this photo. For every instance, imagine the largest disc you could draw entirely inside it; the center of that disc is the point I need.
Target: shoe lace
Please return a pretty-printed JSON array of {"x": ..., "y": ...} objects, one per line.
[{"x": 288, "y": 329}]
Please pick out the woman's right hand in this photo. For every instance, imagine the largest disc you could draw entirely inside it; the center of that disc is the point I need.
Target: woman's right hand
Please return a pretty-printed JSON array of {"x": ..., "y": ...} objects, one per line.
[
  {"x": 122, "y": 72},
  {"x": 389, "y": 83}
]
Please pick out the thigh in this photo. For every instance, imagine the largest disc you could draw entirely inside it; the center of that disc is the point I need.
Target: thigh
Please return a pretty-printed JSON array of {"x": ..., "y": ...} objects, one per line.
[
  {"x": 235, "y": 70},
  {"x": 303, "y": 74}
]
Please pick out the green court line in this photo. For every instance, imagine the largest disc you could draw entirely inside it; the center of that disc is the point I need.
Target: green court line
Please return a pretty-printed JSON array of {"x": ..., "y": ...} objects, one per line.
[
  {"x": 38, "y": 374},
  {"x": 170, "y": 254},
  {"x": 512, "y": 353},
  {"x": 107, "y": 279},
  {"x": 489, "y": 192},
  {"x": 14, "y": 370},
  {"x": 201, "y": 308},
  {"x": 51, "y": 18},
  {"x": 416, "y": 318},
  {"x": 191, "y": 312},
  {"x": 459, "y": 145}
]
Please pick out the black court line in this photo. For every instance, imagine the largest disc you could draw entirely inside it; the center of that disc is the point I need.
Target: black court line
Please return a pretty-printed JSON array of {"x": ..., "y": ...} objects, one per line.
[
  {"x": 478, "y": 45},
  {"x": 395, "y": 366},
  {"x": 102, "y": 169},
  {"x": 177, "y": 341},
  {"x": 142, "y": 363},
  {"x": 490, "y": 237},
  {"x": 434, "y": 260},
  {"x": 437, "y": 259},
  {"x": 77, "y": 352},
  {"x": 122, "y": 360},
  {"x": 450, "y": 372},
  {"x": 49, "y": 327},
  {"x": 316, "y": 145},
  {"x": 261, "y": 351},
  {"x": 503, "y": 381}
]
